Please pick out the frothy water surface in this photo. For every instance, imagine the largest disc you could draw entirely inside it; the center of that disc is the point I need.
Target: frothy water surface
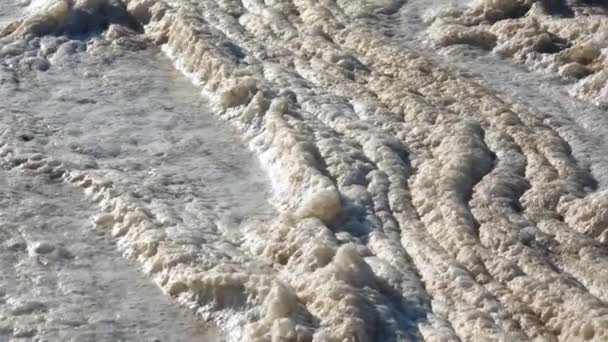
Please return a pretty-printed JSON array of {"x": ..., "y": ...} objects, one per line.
[{"x": 339, "y": 171}]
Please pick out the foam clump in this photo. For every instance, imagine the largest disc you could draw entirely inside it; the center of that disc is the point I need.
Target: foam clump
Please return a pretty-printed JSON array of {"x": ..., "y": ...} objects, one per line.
[
  {"x": 562, "y": 39},
  {"x": 457, "y": 34},
  {"x": 588, "y": 215},
  {"x": 494, "y": 10},
  {"x": 71, "y": 17}
]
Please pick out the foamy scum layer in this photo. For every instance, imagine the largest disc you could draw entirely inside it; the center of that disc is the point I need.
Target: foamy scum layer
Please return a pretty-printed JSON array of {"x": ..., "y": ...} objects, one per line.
[
  {"x": 566, "y": 38},
  {"x": 414, "y": 204}
]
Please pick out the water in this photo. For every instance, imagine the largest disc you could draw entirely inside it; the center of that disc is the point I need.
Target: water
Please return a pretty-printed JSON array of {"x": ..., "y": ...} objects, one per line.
[
  {"x": 580, "y": 124},
  {"x": 292, "y": 171},
  {"x": 133, "y": 118},
  {"x": 63, "y": 282}
]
